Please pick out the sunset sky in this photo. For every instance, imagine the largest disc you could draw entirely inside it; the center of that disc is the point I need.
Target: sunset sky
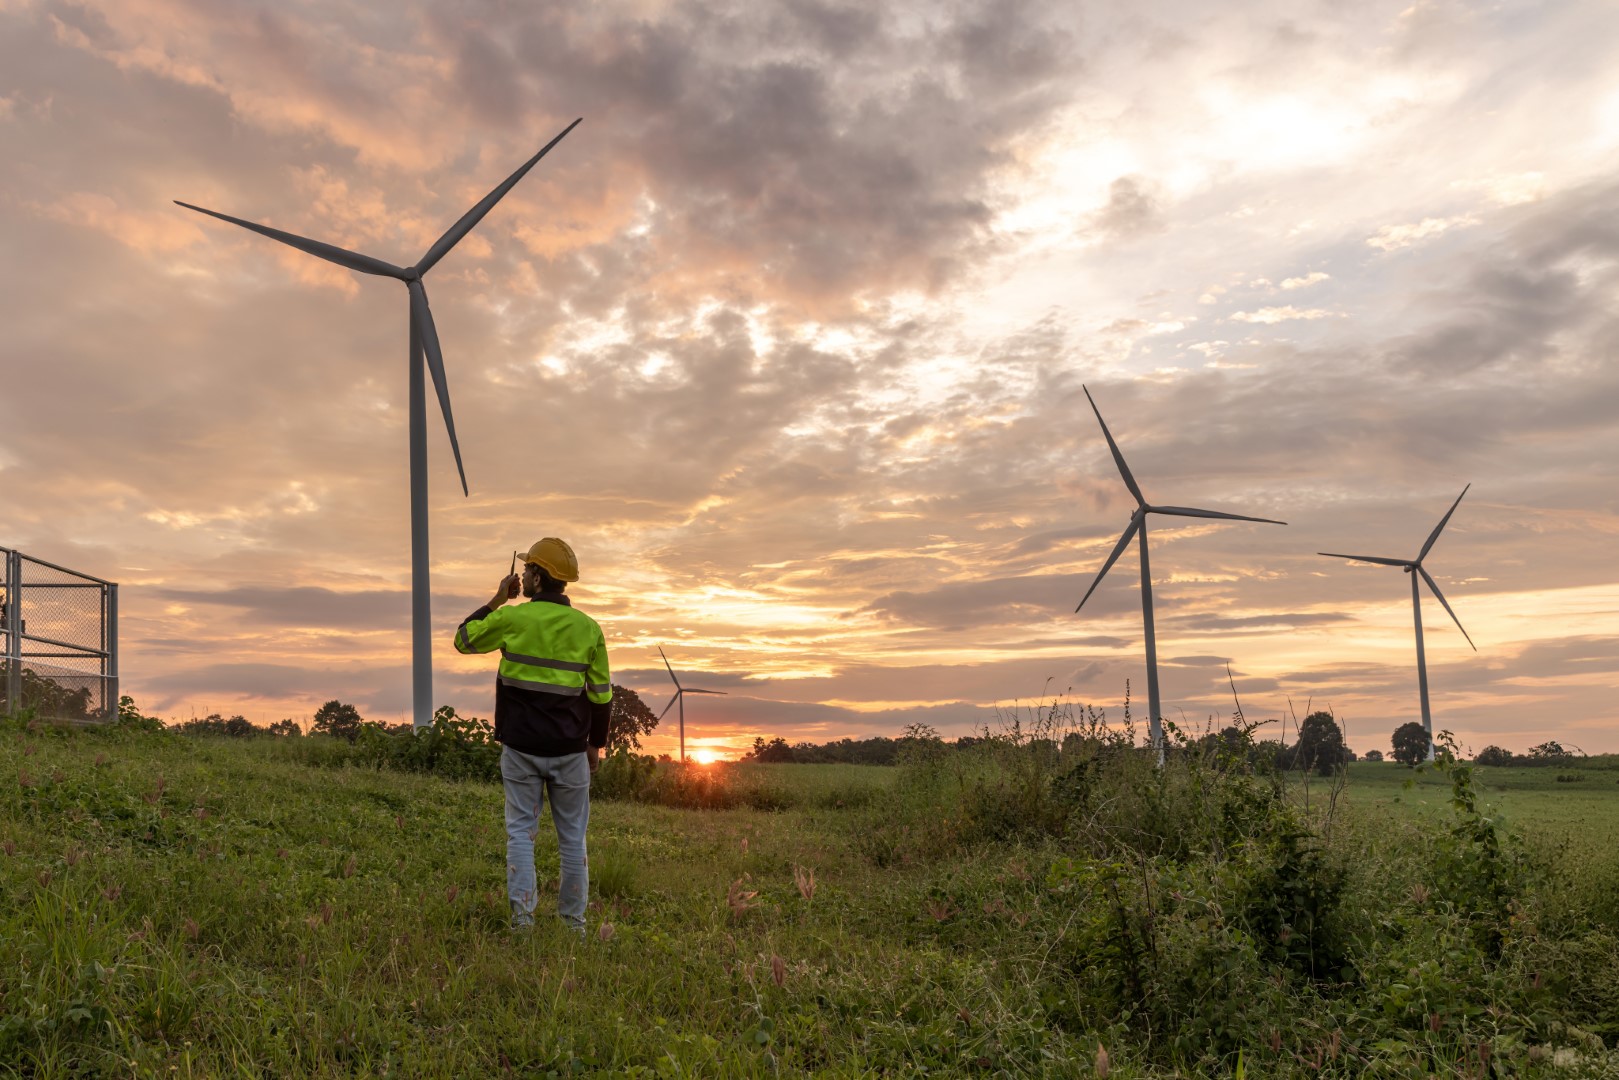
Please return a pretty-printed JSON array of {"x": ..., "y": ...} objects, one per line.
[{"x": 787, "y": 338}]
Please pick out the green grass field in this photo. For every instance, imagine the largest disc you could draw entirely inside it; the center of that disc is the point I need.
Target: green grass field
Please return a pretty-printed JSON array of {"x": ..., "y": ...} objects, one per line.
[{"x": 198, "y": 907}]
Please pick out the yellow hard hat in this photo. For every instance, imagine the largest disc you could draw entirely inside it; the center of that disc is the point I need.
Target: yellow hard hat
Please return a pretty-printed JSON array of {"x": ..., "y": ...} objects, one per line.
[{"x": 555, "y": 557}]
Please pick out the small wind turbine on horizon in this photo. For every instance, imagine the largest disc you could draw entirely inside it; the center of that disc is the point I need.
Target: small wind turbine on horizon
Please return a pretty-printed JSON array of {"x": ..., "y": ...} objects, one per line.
[
  {"x": 1415, "y": 568},
  {"x": 424, "y": 344},
  {"x": 1138, "y": 526},
  {"x": 680, "y": 699}
]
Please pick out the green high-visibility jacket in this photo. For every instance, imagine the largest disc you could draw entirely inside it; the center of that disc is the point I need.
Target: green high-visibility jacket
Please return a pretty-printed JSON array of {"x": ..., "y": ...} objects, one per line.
[{"x": 554, "y": 691}]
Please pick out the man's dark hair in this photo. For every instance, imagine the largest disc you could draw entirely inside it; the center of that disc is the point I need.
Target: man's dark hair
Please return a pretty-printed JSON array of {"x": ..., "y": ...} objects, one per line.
[{"x": 547, "y": 582}]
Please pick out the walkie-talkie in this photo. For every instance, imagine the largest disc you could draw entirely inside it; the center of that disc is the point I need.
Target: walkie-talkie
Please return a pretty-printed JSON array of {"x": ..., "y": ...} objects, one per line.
[{"x": 511, "y": 590}]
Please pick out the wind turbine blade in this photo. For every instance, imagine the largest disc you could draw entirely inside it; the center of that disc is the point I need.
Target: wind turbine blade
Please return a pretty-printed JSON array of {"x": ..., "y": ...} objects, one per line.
[
  {"x": 1118, "y": 458},
  {"x": 671, "y": 704},
  {"x": 441, "y": 247},
  {"x": 1437, "y": 529},
  {"x": 353, "y": 260},
  {"x": 694, "y": 690},
  {"x": 1366, "y": 558},
  {"x": 1187, "y": 511},
  {"x": 1118, "y": 549},
  {"x": 1432, "y": 584},
  {"x": 666, "y": 664},
  {"x": 423, "y": 316}
]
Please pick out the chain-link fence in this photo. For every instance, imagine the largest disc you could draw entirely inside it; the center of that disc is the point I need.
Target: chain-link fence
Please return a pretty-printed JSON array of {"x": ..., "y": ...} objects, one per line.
[{"x": 59, "y": 633}]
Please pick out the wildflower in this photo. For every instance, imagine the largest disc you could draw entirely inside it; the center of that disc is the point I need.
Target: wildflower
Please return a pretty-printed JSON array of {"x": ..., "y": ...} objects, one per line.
[{"x": 606, "y": 932}]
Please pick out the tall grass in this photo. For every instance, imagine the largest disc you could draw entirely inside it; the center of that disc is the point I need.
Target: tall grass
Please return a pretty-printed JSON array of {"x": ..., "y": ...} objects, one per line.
[{"x": 1041, "y": 903}]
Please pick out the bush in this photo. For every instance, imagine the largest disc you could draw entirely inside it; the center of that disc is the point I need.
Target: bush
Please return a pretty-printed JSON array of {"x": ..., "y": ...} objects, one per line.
[
  {"x": 131, "y": 719},
  {"x": 1493, "y": 756},
  {"x": 1216, "y": 914}
]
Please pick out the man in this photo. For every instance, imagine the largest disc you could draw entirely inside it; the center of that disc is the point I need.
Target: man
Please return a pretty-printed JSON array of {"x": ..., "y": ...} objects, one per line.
[{"x": 553, "y": 700}]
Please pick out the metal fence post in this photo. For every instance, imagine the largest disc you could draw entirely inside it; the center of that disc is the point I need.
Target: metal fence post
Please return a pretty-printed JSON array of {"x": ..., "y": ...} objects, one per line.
[
  {"x": 13, "y": 631},
  {"x": 111, "y": 659}
]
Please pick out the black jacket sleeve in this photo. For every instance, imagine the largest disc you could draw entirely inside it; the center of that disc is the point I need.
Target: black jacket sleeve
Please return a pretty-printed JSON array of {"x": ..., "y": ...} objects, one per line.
[{"x": 600, "y": 715}]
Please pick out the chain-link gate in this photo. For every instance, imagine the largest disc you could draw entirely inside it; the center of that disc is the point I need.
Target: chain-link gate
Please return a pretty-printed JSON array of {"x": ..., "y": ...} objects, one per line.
[{"x": 59, "y": 632}]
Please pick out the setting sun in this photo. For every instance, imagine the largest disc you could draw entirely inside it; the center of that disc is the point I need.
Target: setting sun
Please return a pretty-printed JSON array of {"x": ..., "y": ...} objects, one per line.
[{"x": 705, "y": 757}]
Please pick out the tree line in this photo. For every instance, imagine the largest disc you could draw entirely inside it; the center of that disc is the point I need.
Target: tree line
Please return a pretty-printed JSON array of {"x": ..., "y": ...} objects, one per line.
[{"x": 1320, "y": 746}]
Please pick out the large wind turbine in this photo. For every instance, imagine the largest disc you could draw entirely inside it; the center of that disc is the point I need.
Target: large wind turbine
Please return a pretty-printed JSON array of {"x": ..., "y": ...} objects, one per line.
[
  {"x": 1415, "y": 568},
  {"x": 1138, "y": 526},
  {"x": 680, "y": 698},
  {"x": 423, "y": 343}
]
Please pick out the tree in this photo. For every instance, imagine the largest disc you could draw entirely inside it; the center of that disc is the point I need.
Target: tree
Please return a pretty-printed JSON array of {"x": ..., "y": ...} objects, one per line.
[
  {"x": 631, "y": 719},
  {"x": 1493, "y": 755},
  {"x": 1411, "y": 744},
  {"x": 1374, "y": 755},
  {"x": 286, "y": 729},
  {"x": 338, "y": 720},
  {"x": 1551, "y": 750},
  {"x": 776, "y": 750},
  {"x": 1321, "y": 744}
]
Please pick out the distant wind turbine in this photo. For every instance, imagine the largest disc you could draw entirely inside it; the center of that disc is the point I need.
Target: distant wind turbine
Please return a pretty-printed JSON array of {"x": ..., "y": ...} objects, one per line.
[
  {"x": 679, "y": 698},
  {"x": 423, "y": 342},
  {"x": 1415, "y": 568},
  {"x": 1138, "y": 525}
]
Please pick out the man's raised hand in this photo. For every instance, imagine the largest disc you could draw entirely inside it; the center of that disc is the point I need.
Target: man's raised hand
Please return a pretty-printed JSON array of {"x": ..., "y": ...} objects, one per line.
[{"x": 505, "y": 590}]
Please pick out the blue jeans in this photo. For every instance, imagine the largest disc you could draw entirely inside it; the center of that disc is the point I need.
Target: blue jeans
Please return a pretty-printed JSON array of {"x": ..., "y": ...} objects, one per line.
[{"x": 527, "y": 780}]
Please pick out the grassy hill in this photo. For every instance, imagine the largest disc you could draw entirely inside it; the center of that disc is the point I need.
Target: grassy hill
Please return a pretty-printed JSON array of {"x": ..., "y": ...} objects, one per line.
[{"x": 223, "y": 907}]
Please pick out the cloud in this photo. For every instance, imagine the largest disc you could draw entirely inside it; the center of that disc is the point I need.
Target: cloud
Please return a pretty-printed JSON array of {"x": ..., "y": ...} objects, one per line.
[
  {"x": 1395, "y": 237},
  {"x": 788, "y": 337},
  {"x": 1271, "y": 315},
  {"x": 300, "y": 605}
]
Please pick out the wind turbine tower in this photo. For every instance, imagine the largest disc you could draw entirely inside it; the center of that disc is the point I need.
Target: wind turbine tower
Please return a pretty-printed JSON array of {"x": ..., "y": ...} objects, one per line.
[
  {"x": 424, "y": 345},
  {"x": 680, "y": 699},
  {"x": 1415, "y": 568},
  {"x": 1138, "y": 527}
]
